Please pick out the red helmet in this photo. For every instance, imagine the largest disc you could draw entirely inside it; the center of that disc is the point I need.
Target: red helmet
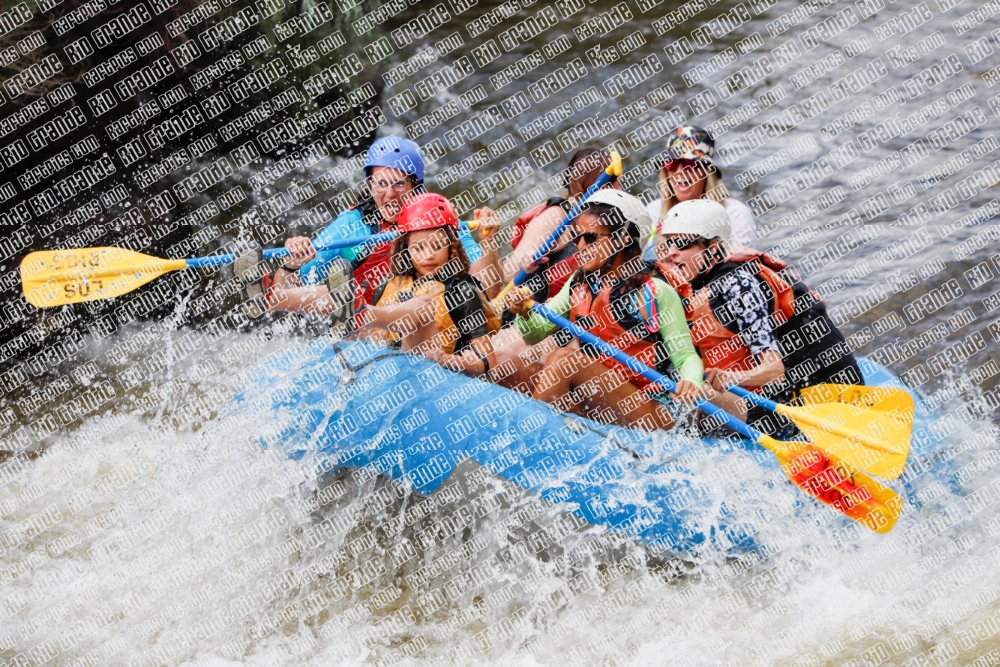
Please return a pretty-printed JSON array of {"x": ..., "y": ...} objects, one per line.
[{"x": 427, "y": 211}]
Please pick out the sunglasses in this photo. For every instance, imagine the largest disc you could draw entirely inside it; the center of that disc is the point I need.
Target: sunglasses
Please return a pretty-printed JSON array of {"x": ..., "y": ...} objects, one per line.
[
  {"x": 681, "y": 243},
  {"x": 670, "y": 165},
  {"x": 588, "y": 238}
]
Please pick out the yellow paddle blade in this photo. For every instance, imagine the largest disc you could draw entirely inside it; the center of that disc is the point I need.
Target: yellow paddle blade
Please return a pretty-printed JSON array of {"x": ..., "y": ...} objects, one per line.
[
  {"x": 883, "y": 399},
  {"x": 878, "y": 442},
  {"x": 837, "y": 484},
  {"x": 615, "y": 168},
  {"x": 58, "y": 277}
]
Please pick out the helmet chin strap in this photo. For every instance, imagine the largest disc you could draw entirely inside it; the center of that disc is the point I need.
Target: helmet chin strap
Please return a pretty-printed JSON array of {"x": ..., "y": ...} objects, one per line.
[
  {"x": 611, "y": 266},
  {"x": 711, "y": 259}
]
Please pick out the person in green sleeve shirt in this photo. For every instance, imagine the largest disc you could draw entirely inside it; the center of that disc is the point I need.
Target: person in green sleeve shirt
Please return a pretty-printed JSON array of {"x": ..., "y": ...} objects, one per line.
[{"x": 614, "y": 297}]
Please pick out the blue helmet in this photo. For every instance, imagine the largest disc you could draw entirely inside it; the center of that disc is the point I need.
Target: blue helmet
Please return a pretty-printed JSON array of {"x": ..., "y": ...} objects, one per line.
[{"x": 397, "y": 153}]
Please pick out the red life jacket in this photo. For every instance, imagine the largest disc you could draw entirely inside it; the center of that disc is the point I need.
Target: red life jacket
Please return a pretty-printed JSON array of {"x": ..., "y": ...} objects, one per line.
[
  {"x": 595, "y": 314},
  {"x": 555, "y": 273},
  {"x": 718, "y": 346},
  {"x": 521, "y": 223},
  {"x": 373, "y": 270}
]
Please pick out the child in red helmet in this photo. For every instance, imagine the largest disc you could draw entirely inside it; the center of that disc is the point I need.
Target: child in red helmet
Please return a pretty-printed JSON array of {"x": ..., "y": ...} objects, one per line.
[
  {"x": 326, "y": 283},
  {"x": 431, "y": 305}
]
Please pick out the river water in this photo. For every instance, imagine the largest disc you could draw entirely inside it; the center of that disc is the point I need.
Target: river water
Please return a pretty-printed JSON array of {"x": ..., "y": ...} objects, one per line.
[{"x": 157, "y": 530}]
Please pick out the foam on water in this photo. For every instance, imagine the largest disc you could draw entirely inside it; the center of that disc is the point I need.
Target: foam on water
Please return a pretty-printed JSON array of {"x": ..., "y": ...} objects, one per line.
[{"x": 192, "y": 545}]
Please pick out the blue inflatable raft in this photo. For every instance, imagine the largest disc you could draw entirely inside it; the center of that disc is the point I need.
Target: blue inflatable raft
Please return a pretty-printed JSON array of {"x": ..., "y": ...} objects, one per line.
[{"x": 357, "y": 405}]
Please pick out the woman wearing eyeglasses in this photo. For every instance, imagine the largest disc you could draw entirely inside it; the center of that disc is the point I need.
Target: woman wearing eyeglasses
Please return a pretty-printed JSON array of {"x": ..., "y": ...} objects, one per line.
[
  {"x": 613, "y": 296},
  {"x": 325, "y": 283},
  {"x": 755, "y": 324},
  {"x": 689, "y": 172}
]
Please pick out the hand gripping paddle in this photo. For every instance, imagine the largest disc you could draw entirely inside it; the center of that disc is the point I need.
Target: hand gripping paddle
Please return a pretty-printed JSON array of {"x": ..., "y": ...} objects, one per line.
[
  {"x": 821, "y": 474},
  {"x": 52, "y": 278}
]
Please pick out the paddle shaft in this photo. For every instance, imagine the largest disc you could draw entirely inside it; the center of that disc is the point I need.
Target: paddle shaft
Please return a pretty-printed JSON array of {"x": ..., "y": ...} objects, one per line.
[
  {"x": 810, "y": 469},
  {"x": 756, "y": 399},
  {"x": 278, "y": 253},
  {"x": 550, "y": 242},
  {"x": 732, "y": 422}
]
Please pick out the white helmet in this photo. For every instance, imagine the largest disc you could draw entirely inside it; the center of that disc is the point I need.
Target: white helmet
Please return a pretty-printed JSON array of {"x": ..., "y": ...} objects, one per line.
[
  {"x": 701, "y": 217},
  {"x": 633, "y": 209}
]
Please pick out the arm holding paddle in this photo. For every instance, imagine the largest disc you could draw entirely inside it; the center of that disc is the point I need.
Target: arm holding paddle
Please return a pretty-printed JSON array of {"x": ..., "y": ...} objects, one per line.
[
  {"x": 534, "y": 327},
  {"x": 487, "y": 269},
  {"x": 769, "y": 368},
  {"x": 817, "y": 472},
  {"x": 534, "y": 237},
  {"x": 610, "y": 174},
  {"x": 677, "y": 339},
  {"x": 301, "y": 252}
]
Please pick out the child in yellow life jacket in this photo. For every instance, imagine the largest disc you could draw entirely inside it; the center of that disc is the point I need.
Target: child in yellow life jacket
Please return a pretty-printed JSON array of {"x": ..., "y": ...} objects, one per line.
[
  {"x": 431, "y": 305},
  {"x": 615, "y": 299}
]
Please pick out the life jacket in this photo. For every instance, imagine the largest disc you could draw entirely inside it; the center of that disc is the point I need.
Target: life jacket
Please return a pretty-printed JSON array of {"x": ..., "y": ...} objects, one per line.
[
  {"x": 796, "y": 313},
  {"x": 371, "y": 269},
  {"x": 641, "y": 339},
  {"x": 403, "y": 288},
  {"x": 547, "y": 282}
]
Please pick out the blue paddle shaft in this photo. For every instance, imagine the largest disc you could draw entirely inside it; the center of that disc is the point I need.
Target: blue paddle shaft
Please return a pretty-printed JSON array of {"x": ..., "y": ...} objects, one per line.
[
  {"x": 550, "y": 242},
  {"x": 278, "y": 253},
  {"x": 756, "y": 399},
  {"x": 605, "y": 348}
]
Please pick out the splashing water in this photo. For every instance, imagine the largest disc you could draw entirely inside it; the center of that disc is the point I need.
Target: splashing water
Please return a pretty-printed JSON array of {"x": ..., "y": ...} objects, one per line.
[{"x": 190, "y": 543}]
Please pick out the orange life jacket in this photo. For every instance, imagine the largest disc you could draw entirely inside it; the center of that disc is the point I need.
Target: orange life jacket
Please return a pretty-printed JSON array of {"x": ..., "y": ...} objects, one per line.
[
  {"x": 595, "y": 314},
  {"x": 791, "y": 304},
  {"x": 718, "y": 346}
]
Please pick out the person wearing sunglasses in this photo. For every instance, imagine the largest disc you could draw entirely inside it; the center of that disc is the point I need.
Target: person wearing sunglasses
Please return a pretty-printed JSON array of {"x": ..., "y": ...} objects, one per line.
[
  {"x": 690, "y": 172},
  {"x": 333, "y": 282},
  {"x": 614, "y": 297},
  {"x": 755, "y": 324}
]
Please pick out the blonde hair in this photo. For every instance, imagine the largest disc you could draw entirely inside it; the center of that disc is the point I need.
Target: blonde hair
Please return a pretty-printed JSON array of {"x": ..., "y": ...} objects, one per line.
[{"x": 714, "y": 190}]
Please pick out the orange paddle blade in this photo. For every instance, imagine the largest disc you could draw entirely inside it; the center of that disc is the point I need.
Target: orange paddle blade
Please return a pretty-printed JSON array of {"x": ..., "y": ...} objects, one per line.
[{"x": 836, "y": 484}]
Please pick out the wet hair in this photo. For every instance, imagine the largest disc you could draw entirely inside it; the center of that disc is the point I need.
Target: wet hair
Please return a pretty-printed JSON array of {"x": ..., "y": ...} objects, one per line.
[
  {"x": 458, "y": 263},
  {"x": 585, "y": 166}
]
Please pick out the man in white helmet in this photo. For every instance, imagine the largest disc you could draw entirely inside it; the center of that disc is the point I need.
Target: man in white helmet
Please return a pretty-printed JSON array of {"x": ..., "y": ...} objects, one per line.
[
  {"x": 755, "y": 324},
  {"x": 614, "y": 297}
]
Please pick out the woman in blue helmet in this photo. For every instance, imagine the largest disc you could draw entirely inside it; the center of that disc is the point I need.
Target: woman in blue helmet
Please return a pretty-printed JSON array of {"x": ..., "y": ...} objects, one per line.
[{"x": 325, "y": 283}]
